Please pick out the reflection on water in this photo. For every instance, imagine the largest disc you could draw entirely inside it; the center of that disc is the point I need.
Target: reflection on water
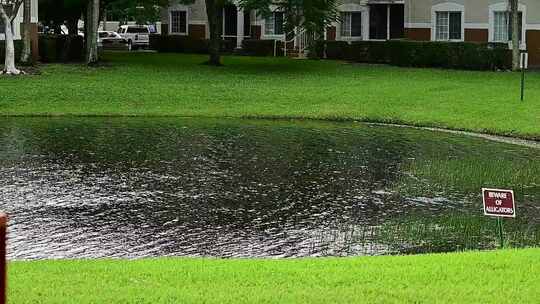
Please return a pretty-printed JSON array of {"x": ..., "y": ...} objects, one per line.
[{"x": 98, "y": 187}]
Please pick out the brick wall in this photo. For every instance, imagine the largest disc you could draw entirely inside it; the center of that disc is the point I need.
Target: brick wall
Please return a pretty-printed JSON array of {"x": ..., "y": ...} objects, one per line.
[
  {"x": 476, "y": 35},
  {"x": 197, "y": 31},
  {"x": 419, "y": 34},
  {"x": 533, "y": 47},
  {"x": 331, "y": 33}
]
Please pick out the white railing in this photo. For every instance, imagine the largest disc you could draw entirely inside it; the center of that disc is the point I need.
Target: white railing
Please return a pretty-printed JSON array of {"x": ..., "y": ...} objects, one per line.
[{"x": 301, "y": 41}]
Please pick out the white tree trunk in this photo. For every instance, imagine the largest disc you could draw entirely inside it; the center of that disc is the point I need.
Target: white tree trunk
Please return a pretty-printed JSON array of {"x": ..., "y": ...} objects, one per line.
[{"x": 9, "y": 64}]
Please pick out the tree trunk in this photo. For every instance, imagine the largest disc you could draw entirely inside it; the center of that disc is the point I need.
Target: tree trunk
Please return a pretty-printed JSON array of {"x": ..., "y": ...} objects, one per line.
[
  {"x": 9, "y": 63},
  {"x": 26, "y": 54},
  {"x": 92, "y": 23},
  {"x": 514, "y": 11},
  {"x": 215, "y": 23}
]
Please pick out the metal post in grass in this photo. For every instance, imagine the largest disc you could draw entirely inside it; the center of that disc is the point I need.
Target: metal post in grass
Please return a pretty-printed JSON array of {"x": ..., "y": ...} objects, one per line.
[
  {"x": 501, "y": 231},
  {"x": 523, "y": 64},
  {"x": 3, "y": 274}
]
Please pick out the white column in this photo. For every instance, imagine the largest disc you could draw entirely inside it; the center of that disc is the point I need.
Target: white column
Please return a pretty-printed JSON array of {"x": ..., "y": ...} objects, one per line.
[
  {"x": 239, "y": 27},
  {"x": 388, "y": 22}
]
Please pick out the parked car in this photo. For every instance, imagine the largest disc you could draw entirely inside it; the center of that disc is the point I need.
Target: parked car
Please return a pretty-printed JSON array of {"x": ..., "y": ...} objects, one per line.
[
  {"x": 109, "y": 40},
  {"x": 136, "y": 35}
]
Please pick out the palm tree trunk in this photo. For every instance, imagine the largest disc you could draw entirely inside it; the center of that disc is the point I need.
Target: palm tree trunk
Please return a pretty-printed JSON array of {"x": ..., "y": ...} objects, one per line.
[
  {"x": 215, "y": 23},
  {"x": 26, "y": 55},
  {"x": 514, "y": 12},
  {"x": 92, "y": 23}
]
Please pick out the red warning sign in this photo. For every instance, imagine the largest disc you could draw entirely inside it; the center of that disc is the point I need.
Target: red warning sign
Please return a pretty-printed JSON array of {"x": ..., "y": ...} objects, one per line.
[{"x": 499, "y": 202}]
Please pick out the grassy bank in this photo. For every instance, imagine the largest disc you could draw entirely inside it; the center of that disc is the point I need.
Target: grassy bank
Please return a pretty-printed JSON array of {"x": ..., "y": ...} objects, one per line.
[
  {"x": 177, "y": 84},
  {"x": 510, "y": 276}
]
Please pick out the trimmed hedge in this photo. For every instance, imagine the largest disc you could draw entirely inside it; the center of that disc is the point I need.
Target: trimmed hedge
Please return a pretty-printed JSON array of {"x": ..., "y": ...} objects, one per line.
[
  {"x": 53, "y": 48},
  {"x": 18, "y": 49},
  {"x": 185, "y": 44},
  {"x": 254, "y": 47},
  {"x": 452, "y": 55}
]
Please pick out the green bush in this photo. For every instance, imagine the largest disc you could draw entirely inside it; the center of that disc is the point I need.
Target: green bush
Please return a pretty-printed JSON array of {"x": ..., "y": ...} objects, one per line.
[
  {"x": 55, "y": 48},
  {"x": 336, "y": 49},
  {"x": 452, "y": 55},
  {"x": 367, "y": 51},
  {"x": 256, "y": 47},
  {"x": 18, "y": 50},
  {"x": 185, "y": 44}
]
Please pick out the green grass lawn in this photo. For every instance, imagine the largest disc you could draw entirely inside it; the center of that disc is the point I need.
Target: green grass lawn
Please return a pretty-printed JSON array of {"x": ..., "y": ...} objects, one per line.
[
  {"x": 177, "y": 84},
  {"x": 509, "y": 276}
]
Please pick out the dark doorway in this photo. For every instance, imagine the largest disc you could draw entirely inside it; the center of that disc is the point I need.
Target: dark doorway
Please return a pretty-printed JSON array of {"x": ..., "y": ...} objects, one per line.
[
  {"x": 378, "y": 18},
  {"x": 383, "y": 16},
  {"x": 247, "y": 24},
  {"x": 230, "y": 23},
  {"x": 397, "y": 21}
]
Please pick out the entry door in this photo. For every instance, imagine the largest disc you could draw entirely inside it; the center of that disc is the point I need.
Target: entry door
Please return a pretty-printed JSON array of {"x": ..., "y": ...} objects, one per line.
[
  {"x": 383, "y": 16},
  {"x": 247, "y": 24},
  {"x": 378, "y": 21},
  {"x": 230, "y": 21},
  {"x": 397, "y": 21}
]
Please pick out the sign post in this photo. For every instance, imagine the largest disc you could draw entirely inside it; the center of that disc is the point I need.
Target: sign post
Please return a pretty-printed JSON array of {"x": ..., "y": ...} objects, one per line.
[
  {"x": 499, "y": 203},
  {"x": 3, "y": 275},
  {"x": 523, "y": 64}
]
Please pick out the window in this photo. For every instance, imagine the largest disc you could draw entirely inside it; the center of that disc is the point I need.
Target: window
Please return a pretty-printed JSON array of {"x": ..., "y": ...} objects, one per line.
[
  {"x": 351, "y": 24},
  {"x": 503, "y": 26},
  {"x": 2, "y": 28},
  {"x": 274, "y": 24},
  {"x": 448, "y": 26},
  {"x": 179, "y": 22},
  {"x": 137, "y": 30}
]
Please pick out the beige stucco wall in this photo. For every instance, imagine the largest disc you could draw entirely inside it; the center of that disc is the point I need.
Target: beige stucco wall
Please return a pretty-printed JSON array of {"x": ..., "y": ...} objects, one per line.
[
  {"x": 476, "y": 11},
  {"x": 416, "y": 11}
]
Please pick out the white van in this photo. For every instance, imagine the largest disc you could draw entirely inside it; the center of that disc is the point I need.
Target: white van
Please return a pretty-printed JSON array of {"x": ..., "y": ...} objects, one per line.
[{"x": 136, "y": 35}]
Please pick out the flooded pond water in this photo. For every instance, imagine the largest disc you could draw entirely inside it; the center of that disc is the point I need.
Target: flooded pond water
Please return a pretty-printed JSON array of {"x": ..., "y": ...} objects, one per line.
[{"x": 133, "y": 187}]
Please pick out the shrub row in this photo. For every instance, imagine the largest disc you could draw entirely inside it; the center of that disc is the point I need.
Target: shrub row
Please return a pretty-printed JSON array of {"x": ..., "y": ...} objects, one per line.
[
  {"x": 359, "y": 51},
  {"x": 55, "y": 48},
  {"x": 254, "y": 47},
  {"x": 185, "y": 44},
  {"x": 456, "y": 55}
]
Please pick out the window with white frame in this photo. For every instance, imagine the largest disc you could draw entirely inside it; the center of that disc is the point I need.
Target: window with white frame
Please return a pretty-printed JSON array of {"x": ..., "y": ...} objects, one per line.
[
  {"x": 502, "y": 26},
  {"x": 273, "y": 24},
  {"x": 179, "y": 22},
  {"x": 351, "y": 24},
  {"x": 2, "y": 28},
  {"x": 448, "y": 26}
]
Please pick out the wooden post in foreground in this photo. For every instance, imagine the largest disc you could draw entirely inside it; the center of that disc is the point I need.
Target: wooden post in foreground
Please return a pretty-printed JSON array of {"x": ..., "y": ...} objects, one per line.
[{"x": 3, "y": 275}]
